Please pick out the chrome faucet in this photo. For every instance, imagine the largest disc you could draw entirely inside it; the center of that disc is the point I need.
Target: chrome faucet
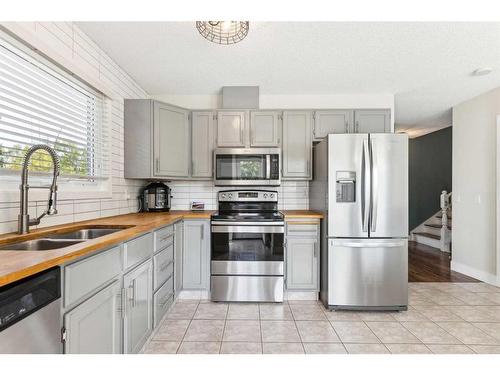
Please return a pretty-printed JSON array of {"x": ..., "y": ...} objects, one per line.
[{"x": 24, "y": 220}]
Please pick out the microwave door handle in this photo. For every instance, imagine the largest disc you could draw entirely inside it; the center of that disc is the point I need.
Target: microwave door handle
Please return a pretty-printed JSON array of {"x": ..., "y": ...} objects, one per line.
[{"x": 268, "y": 167}]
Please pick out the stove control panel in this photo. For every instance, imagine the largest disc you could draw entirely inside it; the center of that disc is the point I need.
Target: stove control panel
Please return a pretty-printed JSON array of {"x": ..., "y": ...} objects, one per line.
[{"x": 248, "y": 196}]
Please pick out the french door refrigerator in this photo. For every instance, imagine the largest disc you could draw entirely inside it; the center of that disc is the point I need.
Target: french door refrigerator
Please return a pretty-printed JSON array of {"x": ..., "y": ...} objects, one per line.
[{"x": 361, "y": 184}]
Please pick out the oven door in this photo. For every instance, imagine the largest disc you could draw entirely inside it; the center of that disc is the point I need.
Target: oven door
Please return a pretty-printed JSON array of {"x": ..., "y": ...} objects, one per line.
[
  {"x": 247, "y": 250},
  {"x": 243, "y": 167}
]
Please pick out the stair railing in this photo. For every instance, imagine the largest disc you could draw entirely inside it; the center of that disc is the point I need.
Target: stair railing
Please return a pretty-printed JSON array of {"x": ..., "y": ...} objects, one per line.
[{"x": 445, "y": 204}]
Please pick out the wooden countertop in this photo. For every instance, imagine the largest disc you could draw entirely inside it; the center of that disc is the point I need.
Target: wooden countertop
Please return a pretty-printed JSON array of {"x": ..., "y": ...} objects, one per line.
[
  {"x": 15, "y": 265},
  {"x": 302, "y": 214}
]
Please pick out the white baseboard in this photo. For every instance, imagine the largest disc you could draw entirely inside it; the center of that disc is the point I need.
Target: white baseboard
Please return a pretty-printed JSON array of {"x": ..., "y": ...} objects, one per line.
[
  {"x": 475, "y": 273},
  {"x": 194, "y": 294},
  {"x": 301, "y": 296}
]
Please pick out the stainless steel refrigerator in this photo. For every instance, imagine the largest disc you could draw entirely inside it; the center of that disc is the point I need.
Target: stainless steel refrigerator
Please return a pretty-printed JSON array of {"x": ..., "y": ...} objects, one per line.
[{"x": 360, "y": 183}]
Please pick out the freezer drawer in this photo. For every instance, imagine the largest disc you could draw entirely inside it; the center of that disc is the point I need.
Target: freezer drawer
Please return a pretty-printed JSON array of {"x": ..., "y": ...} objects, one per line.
[{"x": 370, "y": 274}]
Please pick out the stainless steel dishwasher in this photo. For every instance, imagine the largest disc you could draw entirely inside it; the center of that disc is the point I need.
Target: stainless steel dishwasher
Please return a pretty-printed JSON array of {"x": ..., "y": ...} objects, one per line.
[{"x": 30, "y": 314}]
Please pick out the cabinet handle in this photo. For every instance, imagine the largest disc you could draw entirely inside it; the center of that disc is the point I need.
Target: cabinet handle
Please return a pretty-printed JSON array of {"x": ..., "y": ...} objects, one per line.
[
  {"x": 346, "y": 127},
  {"x": 132, "y": 290},
  {"x": 202, "y": 233},
  {"x": 157, "y": 165},
  {"x": 316, "y": 249},
  {"x": 356, "y": 127}
]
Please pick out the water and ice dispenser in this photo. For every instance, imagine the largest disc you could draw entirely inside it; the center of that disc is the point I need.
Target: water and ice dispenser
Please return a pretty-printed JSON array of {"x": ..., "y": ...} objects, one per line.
[{"x": 346, "y": 186}]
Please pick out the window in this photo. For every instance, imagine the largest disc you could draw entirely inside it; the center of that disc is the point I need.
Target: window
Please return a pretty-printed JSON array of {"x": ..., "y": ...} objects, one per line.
[{"x": 40, "y": 103}]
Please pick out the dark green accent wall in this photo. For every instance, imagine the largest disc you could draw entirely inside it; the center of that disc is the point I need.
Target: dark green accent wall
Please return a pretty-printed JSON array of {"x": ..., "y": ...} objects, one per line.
[{"x": 430, "y": 173}]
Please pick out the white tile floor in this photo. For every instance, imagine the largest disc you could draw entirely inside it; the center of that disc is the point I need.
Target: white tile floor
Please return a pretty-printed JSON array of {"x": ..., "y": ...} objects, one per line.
[{"x": 442, "y": 318}]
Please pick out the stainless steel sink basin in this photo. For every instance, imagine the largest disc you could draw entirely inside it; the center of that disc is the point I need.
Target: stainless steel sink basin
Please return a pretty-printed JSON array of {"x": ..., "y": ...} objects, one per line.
[
  {"x": 40, "y": 244},
  {"x": 56, "y": 240},
  {"x": 84, "y": 234}
]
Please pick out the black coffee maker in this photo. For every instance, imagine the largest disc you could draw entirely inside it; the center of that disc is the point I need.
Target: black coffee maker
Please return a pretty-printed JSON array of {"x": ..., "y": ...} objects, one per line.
[{"x": 155, "y": 197}]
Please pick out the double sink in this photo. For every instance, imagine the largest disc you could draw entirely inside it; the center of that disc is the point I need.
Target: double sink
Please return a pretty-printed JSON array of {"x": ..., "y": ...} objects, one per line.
[{"x": 57, "y": 240}]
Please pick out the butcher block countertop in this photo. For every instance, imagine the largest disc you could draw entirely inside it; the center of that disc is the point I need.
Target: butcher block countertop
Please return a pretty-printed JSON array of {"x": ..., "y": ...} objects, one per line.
[
  {"x": 15, "y": 265},
  {"x": 302, "y": 214}
]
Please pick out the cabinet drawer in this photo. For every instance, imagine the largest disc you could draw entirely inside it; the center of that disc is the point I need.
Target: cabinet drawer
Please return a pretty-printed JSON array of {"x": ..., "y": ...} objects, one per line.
[
  {"x": 308, "y": 230},
  {"x": 163, "y": 264},
  {"x": 137, "y": 250},
  {"x": 164, "y": 237},
  {"x": 84, "y": 276},
  {"x": 163, "y": 299}
]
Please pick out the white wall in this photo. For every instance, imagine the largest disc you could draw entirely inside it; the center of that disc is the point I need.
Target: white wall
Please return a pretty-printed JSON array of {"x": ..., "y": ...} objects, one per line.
[
  {"x": 70, "y": 47},
  {"x": 474, "y": 228}
]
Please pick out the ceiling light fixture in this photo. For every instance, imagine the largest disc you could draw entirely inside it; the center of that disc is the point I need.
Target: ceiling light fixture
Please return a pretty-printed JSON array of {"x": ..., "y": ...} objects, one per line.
[
  {"x": 482, "y": 71},
  {"x": 223, "y": 32}
]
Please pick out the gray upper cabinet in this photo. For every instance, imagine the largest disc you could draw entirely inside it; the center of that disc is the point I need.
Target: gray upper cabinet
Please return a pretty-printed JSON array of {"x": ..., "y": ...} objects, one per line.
[
  {"x": 231, "y": 129},
  {"x": 196, "y": 255},
  {"x": 264, "y": 129},
  {"x": 138, "y": 324},
  {"x": 297, "y": 145},
  {"x": 202, "y": 144},
  {"x": 171, "y": 141},
  {"x": 332, "y": 121},
  {"x": 157, "y": 140},
  {"x": 302, "y": 263},
  {"x": 94, "y": 326},
  {"x": 372, "y": 121}
]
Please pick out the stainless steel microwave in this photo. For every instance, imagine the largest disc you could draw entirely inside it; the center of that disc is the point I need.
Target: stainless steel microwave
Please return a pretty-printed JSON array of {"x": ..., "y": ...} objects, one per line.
[{"x": 247, "y": 166}]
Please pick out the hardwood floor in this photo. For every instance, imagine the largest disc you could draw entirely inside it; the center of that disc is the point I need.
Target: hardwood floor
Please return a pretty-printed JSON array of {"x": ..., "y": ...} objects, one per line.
[{"x": 427, "y": 264}]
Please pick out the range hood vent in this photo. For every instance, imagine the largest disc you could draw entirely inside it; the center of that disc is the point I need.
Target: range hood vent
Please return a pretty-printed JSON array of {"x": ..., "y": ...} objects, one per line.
[{"x": 240, "y": 97}]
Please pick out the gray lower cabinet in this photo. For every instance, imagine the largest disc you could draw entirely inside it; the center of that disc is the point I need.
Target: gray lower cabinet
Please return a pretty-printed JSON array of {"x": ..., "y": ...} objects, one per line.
[
  {"x": 332, "y": 122},
  {"x": 94, "y": 326},
  {"x": 297, "y": 145},
  {"x": 202, "y": 143},
  {"x": 196, "y": 255},
  {"x": 138, "y": 286},
  {"x": 372, "y": 121},
  {"x": 265, "y": 129},
  {"x": 231, "y": 129},
  {"x": 302, "y": 256},
  {"x": 178, "y": 250}
]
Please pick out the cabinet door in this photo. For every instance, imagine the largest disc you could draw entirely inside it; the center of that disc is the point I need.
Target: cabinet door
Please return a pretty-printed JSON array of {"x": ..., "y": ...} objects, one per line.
[
  {"x": 171, "y": 141},
  {"x": 264, "y": 129},
  {"x": 94, "y": 326},
  {"x": 231, "y": 129},
  {"x": 372, "y": 121},
  {"x": 331, "y": 122},
  {"x": 302, "y": 263},
  {"x": 202, "y": 144},
  {"x": 297, "y": 145},
  {"x": 138, "y": 285},
  {"x": 196, "y": 257},
  {"x": 178, "y": 245}
]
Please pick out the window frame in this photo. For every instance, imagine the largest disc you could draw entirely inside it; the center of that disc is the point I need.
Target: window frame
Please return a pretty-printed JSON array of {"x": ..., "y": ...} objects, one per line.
[{"x": 70, "y": 186}]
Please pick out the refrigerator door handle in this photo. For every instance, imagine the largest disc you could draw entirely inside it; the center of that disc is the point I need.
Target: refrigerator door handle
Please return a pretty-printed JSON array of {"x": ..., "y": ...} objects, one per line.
[
  {"x": 365, "y": 186},
  {"x": 372, "y": 244},
  {"x": 374, "y": 190}
]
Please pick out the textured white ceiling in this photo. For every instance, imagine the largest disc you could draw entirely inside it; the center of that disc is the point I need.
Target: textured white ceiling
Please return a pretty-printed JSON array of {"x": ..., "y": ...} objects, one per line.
[{"x": 427, "y": 66}]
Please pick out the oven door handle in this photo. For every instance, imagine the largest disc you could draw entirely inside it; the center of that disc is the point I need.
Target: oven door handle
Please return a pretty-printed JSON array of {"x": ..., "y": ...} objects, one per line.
[
  {"x": 268, "y": 167},
  {"x": 247, "y": 229}
]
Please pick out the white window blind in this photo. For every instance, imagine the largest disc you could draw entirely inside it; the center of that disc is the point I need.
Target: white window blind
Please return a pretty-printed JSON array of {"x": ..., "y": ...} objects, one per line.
[{"x": 39, "y": 103}]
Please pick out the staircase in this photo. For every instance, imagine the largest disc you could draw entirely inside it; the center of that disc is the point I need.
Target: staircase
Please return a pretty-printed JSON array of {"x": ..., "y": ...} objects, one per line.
[{"x": 436, "y": 231}]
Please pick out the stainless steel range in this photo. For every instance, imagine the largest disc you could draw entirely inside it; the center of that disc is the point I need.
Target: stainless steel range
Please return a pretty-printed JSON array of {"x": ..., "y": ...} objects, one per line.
[{"x": 247, "y": 247}]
